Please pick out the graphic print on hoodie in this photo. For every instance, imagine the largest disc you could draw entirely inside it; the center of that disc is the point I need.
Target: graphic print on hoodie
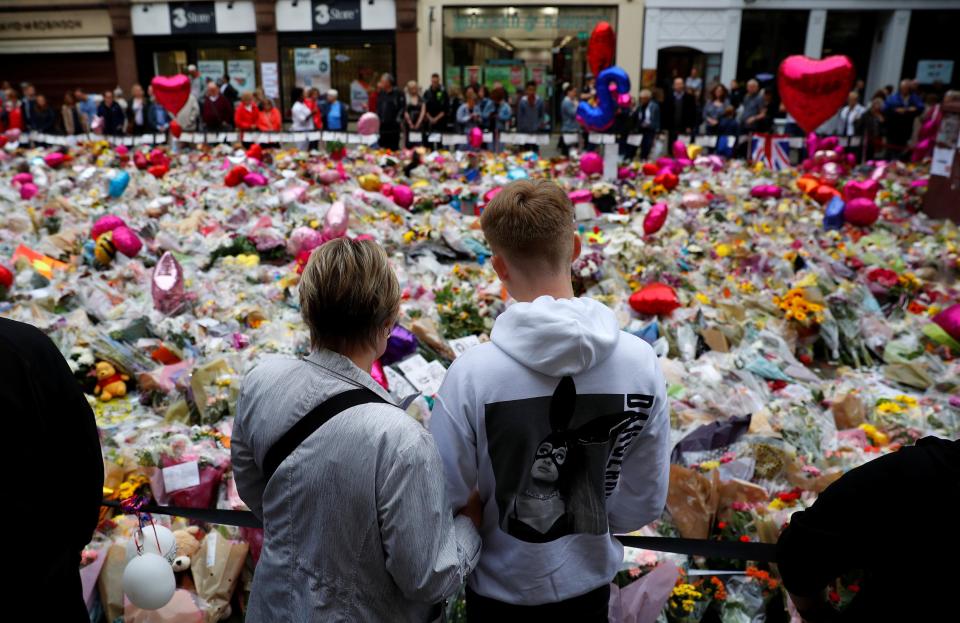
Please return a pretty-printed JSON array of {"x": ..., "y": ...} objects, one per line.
[
  {"x": 561, "y": 423},
  {"x": 570, "y": 449}
]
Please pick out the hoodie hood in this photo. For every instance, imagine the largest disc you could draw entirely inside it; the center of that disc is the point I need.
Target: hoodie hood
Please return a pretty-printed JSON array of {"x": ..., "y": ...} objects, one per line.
[{"x": 557, "y": 337}]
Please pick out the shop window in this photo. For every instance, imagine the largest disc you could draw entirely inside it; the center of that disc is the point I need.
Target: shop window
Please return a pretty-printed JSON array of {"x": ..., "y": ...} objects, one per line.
[
  {"x": 768, "y": 37},
  {"x": 352, "y": 69},
  {"x": 851, "y": 33},
  {"x": 933, "y": 37},
  {"x": 511, "y": 45}
]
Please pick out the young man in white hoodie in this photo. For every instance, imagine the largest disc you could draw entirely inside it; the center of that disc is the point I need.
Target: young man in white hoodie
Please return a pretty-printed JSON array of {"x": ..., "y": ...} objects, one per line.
[{"x": 560, "y": 422}]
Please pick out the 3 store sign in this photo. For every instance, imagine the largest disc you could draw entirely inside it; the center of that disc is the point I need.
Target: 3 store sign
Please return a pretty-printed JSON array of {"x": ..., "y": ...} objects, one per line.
[
  {"x": 192, "y": 17},
  {"x": 336, "y": 14}
]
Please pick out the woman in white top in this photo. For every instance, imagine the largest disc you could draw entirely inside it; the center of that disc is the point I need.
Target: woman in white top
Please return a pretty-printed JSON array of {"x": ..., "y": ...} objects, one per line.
[
  {"x": 302, "y": 117},
  {"x": 848, "y": 122}
]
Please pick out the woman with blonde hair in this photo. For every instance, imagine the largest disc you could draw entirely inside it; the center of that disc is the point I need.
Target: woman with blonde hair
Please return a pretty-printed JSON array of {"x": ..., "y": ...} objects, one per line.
[
  {"x": 414, "y": 113},
  {"x": 350, "y": 488}
]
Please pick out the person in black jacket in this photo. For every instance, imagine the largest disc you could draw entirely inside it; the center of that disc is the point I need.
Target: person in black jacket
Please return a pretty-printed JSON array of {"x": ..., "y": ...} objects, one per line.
[
  {"x": 390, "y": 103},
  {"x": 43, "y": 118},
  {"x": 679, "y": 111},
  {"x": 113, "y": 117},
  {"x": 885, "y": 528},
  {"x": 45, "y": 406}
]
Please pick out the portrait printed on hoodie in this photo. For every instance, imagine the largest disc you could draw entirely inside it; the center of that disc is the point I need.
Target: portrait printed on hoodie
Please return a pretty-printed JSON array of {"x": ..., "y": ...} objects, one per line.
[{"x": 557, "y": 458}]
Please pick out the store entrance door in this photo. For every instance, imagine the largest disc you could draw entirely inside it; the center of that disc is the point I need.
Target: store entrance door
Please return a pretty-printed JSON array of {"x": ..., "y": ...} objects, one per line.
[{"x": 677, "y": 62}]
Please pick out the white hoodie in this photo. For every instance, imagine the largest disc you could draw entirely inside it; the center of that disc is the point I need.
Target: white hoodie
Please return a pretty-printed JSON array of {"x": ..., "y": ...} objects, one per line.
[{"x": 561, "y": 422}]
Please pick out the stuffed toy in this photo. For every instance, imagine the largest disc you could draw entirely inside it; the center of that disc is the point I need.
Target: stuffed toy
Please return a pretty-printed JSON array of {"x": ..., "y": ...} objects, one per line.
[
  {"x": 187, "y": 546},
  {"x": 110, "y": 383}
]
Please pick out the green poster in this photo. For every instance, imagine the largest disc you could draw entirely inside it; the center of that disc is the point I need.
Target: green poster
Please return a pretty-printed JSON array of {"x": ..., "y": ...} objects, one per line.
[
  {"x": 453, "y": 76},
  {"x": 497, "y": 73}
]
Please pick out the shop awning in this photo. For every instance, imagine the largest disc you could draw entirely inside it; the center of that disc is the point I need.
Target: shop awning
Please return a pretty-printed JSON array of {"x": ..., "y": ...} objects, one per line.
[{"x": 54, "y": 46}]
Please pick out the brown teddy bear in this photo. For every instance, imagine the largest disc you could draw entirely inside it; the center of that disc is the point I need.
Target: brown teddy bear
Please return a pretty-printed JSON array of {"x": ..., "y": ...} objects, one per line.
[
  {"x": 187, "y": 545},
  {"x": 110, "y": 383}
]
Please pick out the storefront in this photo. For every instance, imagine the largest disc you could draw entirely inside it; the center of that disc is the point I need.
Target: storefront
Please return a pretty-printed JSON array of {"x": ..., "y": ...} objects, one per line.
[
  {"x": 743, "y": 39},
  {"x": 218, "y": 37},
  {"x": 487, "y": 42},
  {"x": 340, "y": 44},
  {"x": 58, "y": 50}
]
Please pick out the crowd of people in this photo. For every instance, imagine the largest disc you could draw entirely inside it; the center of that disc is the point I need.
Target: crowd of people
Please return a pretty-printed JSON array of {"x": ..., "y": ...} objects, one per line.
[
  {"x": 887, "y": 123},
  {"x": 887, "y": 126}
]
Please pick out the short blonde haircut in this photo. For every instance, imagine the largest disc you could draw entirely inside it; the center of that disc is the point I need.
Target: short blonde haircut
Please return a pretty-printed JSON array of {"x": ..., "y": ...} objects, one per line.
[
  {"x": 530, "y": 223},
  {"x": 348, "y": 294}
]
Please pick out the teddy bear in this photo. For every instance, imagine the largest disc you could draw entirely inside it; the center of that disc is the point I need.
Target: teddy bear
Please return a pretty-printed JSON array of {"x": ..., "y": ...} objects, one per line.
[
  {"x": 187, "y": 545},
  {"x": 110, "y": 383}
]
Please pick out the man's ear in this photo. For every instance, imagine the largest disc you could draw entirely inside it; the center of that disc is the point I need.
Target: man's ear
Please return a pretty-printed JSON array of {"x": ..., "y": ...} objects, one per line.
[
  {"x": 577, "y": 247},
  {"x": 500, "y": 266}
]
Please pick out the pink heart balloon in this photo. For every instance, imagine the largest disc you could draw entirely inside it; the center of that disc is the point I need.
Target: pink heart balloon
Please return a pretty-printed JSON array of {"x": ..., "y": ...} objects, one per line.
[
  {"x": 28, "y": 191},
  {"x": 105, "y": 223},
  {"x": 54, "y": 159},
  {"x": 679, "y": 149},
  {"x": 861, "y": 211},
  {"x": 335, "y": 221},
  {"x": 171, "y": 92},
  {"x": 403, "y": 196},
  {"x": 254, "y": 179},
  {"x": 765, "y": 191},
  {"x": 581, "y": 195},
  {"x": 369, "y": 123},
  {"x": 591, "y": 163},
  {"x": 949, "y": 321},
  {"x": 857, "y": 188},
  {"x": 476, "y": 138},
  {"x": 126, "y": 241},
  {"x": 655, "y": 218},
  {"x": 812, "y": 90}
]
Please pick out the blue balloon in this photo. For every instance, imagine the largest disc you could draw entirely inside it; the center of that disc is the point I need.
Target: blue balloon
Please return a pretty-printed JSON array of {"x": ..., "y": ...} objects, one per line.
[
  {"x": 119, "y": 184},
  {"x": 833, "y": 215},
  {"x": 600, "y": 117}
]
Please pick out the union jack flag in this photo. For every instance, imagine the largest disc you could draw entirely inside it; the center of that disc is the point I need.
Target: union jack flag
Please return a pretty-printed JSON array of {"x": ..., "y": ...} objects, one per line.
[{"x": 773, "y": 150}]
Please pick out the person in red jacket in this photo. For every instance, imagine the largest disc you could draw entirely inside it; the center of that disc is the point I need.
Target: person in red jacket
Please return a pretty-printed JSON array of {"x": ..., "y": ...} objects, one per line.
[
  {"x": 216, "y": 110},
  {"x": 313, "y": 103},
  {"x": 269, "y": 118},
  {"x": 245, "y": 117},
  {"x": 12, "y": 117}
]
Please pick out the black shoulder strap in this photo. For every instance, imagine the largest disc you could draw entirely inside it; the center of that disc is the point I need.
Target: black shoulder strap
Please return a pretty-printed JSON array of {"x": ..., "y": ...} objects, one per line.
[{"x": 308, "y": 424}]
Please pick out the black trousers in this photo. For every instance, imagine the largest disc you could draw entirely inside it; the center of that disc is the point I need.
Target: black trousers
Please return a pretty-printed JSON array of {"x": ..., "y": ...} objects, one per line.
[
  {"x": 591, "y": 607},
  {"x": 390, "y": 139}
]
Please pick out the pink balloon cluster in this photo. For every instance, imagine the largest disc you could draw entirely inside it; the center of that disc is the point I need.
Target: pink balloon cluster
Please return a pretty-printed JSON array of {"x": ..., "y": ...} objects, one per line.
[
  {"x": 401, "y": 194},
  {"x": 24, "y": 183},
  {"x": 125, "y": 240}
]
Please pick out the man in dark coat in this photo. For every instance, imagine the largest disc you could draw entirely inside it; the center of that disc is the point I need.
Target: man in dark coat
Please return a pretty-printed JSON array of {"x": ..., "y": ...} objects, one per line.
[{"x": 679, "y": 113}]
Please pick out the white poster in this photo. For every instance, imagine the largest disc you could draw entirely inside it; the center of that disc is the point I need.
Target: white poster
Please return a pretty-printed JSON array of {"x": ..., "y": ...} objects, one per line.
[
  {"x": 929, "y": 71},
  {"x": 271, "y": 80},
  {"x": 210, "y": 71},
  {"x": 243, "y": 75},
  {"x": 312, "y": 68}
]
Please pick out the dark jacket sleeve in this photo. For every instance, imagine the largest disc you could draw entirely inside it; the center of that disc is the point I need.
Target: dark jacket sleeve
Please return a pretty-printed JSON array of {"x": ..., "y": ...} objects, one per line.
[{"x": 38, "y": 388}]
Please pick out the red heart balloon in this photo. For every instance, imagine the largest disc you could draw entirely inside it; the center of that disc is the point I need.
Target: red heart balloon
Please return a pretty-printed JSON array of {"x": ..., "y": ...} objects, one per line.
[
  {"x": 655, "y": 298},
  {"x": 825, "y": 193},
  {"x": 171, "y": 91},
  {"x": 667, "y": 180},
  {"x": 158, "y": 170},
  {"x": 236, "y": 175},
  {"x": 602, "y": 47},
  {"x": 814, "y": 90}
]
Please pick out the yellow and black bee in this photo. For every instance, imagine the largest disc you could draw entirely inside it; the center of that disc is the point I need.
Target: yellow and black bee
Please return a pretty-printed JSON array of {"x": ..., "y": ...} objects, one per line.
[{"x": 104, "y": 251}]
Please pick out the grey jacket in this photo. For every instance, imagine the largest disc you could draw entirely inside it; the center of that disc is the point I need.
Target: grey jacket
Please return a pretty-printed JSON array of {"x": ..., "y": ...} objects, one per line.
[{"x": 357, "y": 526}]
